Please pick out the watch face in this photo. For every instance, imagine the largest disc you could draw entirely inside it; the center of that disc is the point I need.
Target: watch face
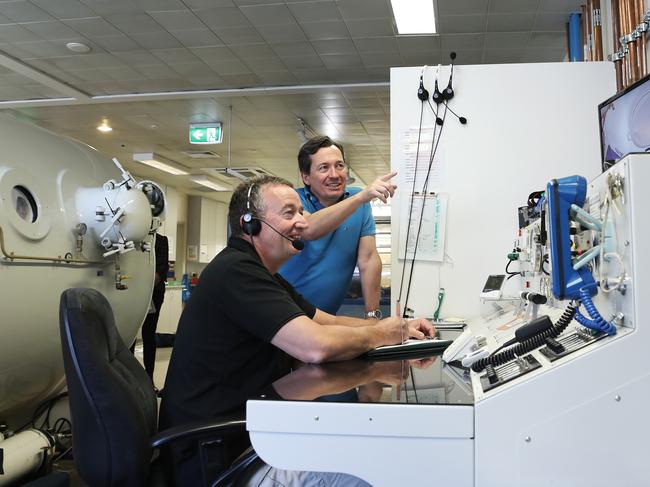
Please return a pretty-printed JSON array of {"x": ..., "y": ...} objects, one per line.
[{"x": 376, "y": 313}]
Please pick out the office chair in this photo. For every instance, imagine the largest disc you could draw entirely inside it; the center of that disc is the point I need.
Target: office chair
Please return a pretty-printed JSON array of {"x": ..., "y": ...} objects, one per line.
[{"x": 113, "y": 403}]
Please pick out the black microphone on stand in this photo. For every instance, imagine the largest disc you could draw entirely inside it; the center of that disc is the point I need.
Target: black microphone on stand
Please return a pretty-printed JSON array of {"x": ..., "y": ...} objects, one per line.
[{"x": 298, "y": 244}]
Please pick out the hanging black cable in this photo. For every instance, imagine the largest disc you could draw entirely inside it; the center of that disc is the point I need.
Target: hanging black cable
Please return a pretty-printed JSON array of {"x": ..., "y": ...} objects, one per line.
[
  {"x": 408, "y": 227},
  {"x": 434, "y": 149}
]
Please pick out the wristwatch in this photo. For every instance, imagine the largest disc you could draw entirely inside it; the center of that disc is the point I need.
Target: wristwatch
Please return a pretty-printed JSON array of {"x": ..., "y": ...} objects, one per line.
[{"x": 374, "y": 314}]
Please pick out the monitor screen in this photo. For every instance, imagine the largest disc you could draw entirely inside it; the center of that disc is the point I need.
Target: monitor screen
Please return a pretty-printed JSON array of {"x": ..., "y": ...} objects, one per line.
[{"x": 625, "y": 123}]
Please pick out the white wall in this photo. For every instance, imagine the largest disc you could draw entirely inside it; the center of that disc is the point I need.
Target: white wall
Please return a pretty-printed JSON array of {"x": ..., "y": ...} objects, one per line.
[{"x": 528, "y": 123}]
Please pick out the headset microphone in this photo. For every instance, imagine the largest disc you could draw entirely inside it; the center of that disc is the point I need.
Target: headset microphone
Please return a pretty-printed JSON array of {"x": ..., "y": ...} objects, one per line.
[
  {"x": 462, "y": 120},
  {"x": 298, "y": 244},
  {"x": 437, "y": 96}
]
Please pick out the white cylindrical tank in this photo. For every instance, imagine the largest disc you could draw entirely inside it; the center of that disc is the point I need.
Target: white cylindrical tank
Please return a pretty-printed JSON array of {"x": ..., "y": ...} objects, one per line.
[
  {"x": 23, "y": 453},
  {"x": 45, "y": 180}
]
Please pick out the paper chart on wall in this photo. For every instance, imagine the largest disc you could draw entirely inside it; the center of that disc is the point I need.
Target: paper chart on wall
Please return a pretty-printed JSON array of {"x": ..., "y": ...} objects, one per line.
[
  {"x": 428, "y": 219},
  {"x": 424, "y": 152}
]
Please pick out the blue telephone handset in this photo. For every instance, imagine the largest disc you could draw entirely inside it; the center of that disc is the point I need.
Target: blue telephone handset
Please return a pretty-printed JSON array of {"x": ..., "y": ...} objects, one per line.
[{"x": 561, "y": 194}]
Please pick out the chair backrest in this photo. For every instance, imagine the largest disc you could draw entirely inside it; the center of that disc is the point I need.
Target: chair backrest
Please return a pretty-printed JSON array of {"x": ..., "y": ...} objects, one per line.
[{"x": 112, "y": 401}]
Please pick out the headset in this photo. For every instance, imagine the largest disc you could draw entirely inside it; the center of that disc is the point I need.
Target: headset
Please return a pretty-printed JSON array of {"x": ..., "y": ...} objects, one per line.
[
  {"x": 445, "y": 95},
  {"x": 250, "y": 224}
]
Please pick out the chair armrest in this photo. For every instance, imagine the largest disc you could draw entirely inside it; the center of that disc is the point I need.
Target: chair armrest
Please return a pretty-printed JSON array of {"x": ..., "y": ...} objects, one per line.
[{"x": 197, "y": 429}]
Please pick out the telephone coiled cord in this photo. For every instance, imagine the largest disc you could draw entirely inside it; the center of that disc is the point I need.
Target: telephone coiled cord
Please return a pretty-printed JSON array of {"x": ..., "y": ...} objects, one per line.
[
  {"x": 529, "y": 344},
  {"x": 597, "y": 322}
]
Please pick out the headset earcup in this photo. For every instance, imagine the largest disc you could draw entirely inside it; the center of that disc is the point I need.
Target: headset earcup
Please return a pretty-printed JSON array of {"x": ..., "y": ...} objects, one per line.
[{"x": 250, "y": 225}]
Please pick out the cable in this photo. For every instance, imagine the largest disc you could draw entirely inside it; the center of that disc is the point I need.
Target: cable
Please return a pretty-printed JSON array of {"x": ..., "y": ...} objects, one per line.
[
  {"x": 597, "y": 322},
  {"x": 529, "y": 344}
]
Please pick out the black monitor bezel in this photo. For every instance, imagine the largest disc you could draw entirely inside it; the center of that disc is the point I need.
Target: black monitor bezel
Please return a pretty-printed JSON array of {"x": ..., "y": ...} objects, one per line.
[{"x": 604, "y": 165}]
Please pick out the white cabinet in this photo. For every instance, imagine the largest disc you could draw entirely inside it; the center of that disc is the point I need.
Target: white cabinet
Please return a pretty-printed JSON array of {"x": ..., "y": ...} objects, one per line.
[
  {"x": 206, "y": 228},
  {"x": 171, "y": 309}
]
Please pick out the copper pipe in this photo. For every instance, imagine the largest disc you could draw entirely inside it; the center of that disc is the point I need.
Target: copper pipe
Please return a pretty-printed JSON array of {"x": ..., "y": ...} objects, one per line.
[
  {"x": 583, "y": 32},
  {"x": 618, "y": 65},
  {"x": 643, "y": 57},
  {"x": 634, "y": 57},
  {"x": 590, "y": 30},
  {"x": 598, "y": 31},
  {"x": 627, "y": 65}
]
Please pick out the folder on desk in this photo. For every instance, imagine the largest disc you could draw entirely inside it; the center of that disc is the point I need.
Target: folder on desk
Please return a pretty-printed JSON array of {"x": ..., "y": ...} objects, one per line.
[{"x": 410, "y": 349}]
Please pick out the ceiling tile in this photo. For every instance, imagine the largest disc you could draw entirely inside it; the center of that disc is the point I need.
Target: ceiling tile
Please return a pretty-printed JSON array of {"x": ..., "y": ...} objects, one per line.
[
  {"x": 64, "y": 9},
  {"x": 134, "y": 22},
  {"x": 302, "y": 62},
  {"x": 179, "y": 20},
  {"x": 563, "y": 6},
  {"x": 466, "y": 56},
  {"x": 43, "y": 49},
  {"x": 548, "y": 39},
  {"x": 331, "y": 29},
  {"x": 550, "y": 55},
  {"x": 192, "y": 70},
  {"x": 286, "y": 49},
  {"x": 503, "y": 56},
  {"x": 376, "y": 44},
  {"x": 462, "y": 7},
  {"x": 418, "y": 43},
  {"x": 92, "y": 27},
  {"x": 241, "y": 80},
  {"x": 420, "y": 58},
  {"x": 315, "y": 11},
  {"x": 223, "y": 17},
  {"x": 103, "y": 7},
  {"x": 119, "y": 43},
  {"x": 364, "y": 9},
  {"x": 334, "y": 46},
  {"x": 551, "y": 22},
  {"x": 228, "y": 67},
  {"x": 510, "y": 22},
  {"x": 454, "y": 42},
  {"x": 513, "y": 6},
  {"x": 371, "y": 59},
  {"x": 16, "y": 33},
  {"x": 370, "y": 27},
  {"x": 506, "y": 40},
  {"x": 209, "y": 54},
  {"x": 276, "y": 14},
  {"x": 281, "y": 33},
  {"x": 239, "y": 35},
  {"x": 253, "y": 51},
  {"x": 159, "y": 71},
  {"x": 173, "y": 56},
  {"x": 455, "y": 24},
  {"x": 278, "y": 77},
  {"x": 269, "y": 63},
  {"x": 138, "y": 58},
  {"x": 208, "y": 3},
  {"x": 23, "y": 11},
  {"x": 51, "y": 30},
  {"x": 152, "y": 5},
  {"x": 156, "y": 40},
  {"x": 334, "y": 61},
  {"x": 196, "y": 37}
]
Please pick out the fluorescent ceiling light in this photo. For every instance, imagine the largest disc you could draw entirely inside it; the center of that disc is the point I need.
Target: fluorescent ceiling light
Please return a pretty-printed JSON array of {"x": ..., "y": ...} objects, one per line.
[
  {"x": 159, "y": 162},
  {"x": 208, "y": 183},
  {"x": 414, "y": 16},
  {"x": 104, "y": 127}
]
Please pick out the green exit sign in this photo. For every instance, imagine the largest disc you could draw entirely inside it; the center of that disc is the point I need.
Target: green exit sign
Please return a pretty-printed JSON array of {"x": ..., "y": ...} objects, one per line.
[{"x": 206, "y": 133}]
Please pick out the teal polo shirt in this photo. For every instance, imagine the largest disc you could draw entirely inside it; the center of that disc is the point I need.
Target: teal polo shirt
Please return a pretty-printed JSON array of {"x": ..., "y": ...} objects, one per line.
[{"x": 322, "y": 271}]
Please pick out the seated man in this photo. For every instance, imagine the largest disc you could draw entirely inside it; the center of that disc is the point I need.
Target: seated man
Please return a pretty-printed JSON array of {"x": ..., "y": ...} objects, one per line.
[{"x": 244, "y": 324}]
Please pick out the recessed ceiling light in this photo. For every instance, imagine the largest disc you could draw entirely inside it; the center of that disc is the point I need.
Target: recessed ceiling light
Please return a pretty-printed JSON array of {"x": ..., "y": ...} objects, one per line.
[
  {"x": 414, "y": 16},
  {"x": 208, "y": 183},
  {"x": 78, "y": 47},
  {"x": 162, "y": 163},
  {"x": 104, "y": 127}
]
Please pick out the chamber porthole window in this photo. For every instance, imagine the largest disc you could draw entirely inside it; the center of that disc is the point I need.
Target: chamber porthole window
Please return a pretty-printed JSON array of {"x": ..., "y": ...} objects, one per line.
[{"x": 24, "y": 204}]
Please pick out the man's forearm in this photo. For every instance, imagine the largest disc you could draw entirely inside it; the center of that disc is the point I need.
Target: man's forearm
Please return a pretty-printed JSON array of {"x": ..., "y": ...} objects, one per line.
[
  {"x": 370, "y": 274},
  {"x": 328, "y": 219}
]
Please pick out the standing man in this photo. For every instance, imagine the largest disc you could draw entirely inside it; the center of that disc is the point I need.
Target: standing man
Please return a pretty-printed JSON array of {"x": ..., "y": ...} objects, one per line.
[
  {"x": 243, "y": 323},
  {"x": 161, "y": 247},
  {"x": 323, "y": 270}
]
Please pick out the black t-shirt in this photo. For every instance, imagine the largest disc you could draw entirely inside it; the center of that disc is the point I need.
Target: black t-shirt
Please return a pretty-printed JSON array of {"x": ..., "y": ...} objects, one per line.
[{"x": 222, "y": 353}]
